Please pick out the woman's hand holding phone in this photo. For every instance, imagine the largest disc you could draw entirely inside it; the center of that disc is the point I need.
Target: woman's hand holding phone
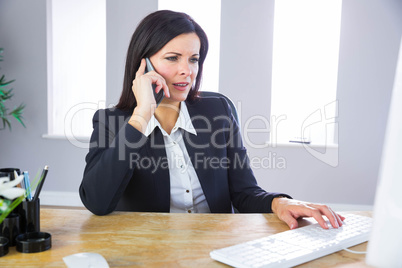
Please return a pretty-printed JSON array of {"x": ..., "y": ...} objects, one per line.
[{"x": 143, "y": 92}]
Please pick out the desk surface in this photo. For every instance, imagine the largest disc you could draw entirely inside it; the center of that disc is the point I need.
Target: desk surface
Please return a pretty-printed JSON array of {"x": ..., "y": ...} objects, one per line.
[{"x": 157, "y": 239}]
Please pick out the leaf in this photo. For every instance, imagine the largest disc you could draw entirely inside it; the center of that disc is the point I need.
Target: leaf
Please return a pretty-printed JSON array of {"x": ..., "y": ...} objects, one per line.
[
  {"x": 6, "y": 94},
  {"x": 6, "y": 123},
  {"x": 19, "y": 109},
  {"x": 17, "y": 113},
  {"x": 3, "y": 109},
  {"x": 4, "y": 84}
]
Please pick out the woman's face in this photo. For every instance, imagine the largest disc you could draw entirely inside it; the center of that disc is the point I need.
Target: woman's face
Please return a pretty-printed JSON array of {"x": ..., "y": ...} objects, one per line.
[{"x": 177, "y": 62}]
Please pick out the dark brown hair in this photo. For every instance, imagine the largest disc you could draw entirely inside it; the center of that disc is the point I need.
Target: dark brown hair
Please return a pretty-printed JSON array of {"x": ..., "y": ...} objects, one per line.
[{"x": 152, "y": 34}]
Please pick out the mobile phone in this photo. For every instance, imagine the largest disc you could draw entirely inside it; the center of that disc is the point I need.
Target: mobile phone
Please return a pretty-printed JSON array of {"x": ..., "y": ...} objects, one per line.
[{"x": 158, "y": 96}]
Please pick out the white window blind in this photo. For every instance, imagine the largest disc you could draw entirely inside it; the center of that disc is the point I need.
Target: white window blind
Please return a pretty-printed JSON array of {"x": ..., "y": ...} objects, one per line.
[
  {"x": 305, "y": 68},
  {"x": 76, "y": 65},
  {"x": 207, "y": 13}
]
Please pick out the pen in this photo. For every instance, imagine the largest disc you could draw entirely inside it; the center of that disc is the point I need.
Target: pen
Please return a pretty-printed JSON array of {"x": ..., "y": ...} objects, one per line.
[
  {"x": 27, "y": 185},
  {"x": 42, "y": 180}
]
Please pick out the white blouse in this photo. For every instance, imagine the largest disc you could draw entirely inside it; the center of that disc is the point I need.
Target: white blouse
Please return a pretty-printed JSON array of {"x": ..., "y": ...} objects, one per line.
[{"x": 186, "y": 194}]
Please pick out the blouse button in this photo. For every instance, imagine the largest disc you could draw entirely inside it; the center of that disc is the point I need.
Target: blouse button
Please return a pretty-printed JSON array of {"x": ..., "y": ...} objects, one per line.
[{"x": 187, "y": 191}]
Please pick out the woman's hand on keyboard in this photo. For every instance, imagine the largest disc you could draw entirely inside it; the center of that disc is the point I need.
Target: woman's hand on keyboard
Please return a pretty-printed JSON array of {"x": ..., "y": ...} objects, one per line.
[{"x": 289, "y": 210}]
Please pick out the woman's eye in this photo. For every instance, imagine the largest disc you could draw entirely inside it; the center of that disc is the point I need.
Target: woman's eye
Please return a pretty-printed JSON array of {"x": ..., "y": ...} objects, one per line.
[
  {"x": 173, "y": 58},
  {"x": 194, "y": 60}
]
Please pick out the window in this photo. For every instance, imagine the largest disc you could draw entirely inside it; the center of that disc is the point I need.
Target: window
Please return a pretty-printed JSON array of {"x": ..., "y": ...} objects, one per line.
[
  {"x": 207, "y": 13},
  {"x": 305, "y": 68},
  {"x": 76, "y": 65}
]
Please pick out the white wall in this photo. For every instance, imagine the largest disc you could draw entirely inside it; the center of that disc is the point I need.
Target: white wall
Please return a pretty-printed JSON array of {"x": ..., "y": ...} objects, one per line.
[
  {"x": 371, "y": 30},
  {"x": 370, "y": 36},
  {"x": 23, "y": 37},
  {"x": 121, "y": 19}
]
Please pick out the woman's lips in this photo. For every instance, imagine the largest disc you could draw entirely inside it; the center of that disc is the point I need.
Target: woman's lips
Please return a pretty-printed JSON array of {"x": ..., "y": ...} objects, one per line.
[{"x": 181, "y": 86}]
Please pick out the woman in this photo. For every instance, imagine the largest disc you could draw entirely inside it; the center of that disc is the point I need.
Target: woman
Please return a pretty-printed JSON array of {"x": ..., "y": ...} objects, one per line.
[{"x": 185, "y": 155}]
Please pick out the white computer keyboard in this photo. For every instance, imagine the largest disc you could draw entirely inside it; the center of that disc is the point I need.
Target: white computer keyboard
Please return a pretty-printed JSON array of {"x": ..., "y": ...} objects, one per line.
[{"x": 296, "y": 246}]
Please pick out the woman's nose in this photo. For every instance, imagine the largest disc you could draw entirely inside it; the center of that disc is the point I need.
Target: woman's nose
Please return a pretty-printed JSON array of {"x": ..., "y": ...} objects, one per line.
[{"x": 184, "y": 69}]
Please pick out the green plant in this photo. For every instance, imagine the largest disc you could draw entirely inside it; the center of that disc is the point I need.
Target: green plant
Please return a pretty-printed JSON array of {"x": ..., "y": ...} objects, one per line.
[{"x": 6, "y": 94}]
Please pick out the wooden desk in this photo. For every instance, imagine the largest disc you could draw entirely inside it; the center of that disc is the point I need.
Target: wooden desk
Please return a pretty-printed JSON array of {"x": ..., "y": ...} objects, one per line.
[{"x": 156, "y": 239}]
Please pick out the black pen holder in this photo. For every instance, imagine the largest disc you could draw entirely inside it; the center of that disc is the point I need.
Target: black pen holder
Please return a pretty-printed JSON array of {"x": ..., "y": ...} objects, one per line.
[
  {"x": 10, "y": 228},
  {"x": 4, "y": 243},
  {"x": 31, "y": 239},
  {"x": 33, "y": 242},
  {"x": 30, "y": 216}
]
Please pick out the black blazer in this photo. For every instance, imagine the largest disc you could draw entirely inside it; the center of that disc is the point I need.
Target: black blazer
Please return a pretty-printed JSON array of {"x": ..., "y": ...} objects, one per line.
[{"x": 128, "y": 171}]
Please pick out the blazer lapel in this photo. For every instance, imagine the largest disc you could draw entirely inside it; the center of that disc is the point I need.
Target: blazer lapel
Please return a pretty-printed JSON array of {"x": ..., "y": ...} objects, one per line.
[
  {"x": 198, "y": 148},
  {"x": 161, "y": 175}
]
